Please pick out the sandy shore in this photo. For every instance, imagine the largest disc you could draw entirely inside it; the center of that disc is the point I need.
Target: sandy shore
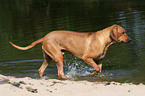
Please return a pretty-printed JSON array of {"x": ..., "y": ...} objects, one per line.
[{"x": 11, "y": 86}]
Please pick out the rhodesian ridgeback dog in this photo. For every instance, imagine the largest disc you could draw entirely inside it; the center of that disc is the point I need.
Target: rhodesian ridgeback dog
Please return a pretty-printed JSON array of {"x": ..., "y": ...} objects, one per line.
[{"x": 90, "y": 47}]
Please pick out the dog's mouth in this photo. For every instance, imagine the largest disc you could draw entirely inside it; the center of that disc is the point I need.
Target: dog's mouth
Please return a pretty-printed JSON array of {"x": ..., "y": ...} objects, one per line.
[{"x": 128, "y": 41}]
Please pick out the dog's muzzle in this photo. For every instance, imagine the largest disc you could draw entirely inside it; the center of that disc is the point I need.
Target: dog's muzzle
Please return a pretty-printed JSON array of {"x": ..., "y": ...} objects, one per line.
[{"x": 129, "y": 40}]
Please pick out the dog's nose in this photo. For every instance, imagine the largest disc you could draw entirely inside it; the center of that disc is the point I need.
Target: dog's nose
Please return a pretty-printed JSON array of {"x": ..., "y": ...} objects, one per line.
[{"x": 129, "y": 40}]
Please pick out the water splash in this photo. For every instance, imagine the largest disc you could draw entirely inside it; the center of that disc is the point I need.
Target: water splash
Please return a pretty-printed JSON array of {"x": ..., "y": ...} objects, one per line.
[{"x": 77, "y": 69}]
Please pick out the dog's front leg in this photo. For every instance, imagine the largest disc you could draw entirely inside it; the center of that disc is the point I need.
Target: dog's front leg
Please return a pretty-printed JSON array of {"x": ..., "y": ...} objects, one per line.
[
  {"x": 99, "y": 64},
  {"x": 91, "y": 62}
]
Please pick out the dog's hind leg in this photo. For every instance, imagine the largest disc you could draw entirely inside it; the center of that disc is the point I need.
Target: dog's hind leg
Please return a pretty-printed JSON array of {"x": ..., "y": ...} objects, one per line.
[
  {"x": 59, "y": 63},
  {"x": 55, "y": 53},
  {"x": 46, "y": 61}
]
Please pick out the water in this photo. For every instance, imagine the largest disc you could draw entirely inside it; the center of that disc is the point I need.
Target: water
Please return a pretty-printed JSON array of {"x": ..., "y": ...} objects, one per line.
[{"x": 23, "y": 22}]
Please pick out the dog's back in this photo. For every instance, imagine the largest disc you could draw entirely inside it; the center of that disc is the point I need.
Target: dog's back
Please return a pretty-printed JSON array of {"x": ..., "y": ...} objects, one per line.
[{"x": 69, "y": 41}]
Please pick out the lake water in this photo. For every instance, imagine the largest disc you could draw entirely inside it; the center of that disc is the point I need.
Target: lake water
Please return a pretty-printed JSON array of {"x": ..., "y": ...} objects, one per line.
[{"x": 24, "y": 21}]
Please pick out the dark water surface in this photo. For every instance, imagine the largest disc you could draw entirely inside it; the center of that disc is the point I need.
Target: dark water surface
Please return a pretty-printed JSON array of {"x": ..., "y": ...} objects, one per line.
[{"x": 24, "y": 21}]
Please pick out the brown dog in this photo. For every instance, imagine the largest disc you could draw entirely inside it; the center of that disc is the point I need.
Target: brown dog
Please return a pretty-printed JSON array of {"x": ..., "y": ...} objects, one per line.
[{"x": 87, "y": 46}]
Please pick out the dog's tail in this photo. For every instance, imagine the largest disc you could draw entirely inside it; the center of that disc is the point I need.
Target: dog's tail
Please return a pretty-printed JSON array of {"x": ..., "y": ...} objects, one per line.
[{"x": 29, "y": 46}]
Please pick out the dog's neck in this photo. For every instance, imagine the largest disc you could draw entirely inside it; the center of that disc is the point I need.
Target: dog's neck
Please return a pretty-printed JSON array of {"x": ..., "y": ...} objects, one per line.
[
  {"x": 104, "y": 37},
  {"x": 104, "y": 42}
]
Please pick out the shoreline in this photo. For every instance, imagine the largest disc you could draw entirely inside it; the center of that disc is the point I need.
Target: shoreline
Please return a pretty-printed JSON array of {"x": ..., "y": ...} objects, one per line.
[{"x": 53, "y": 87}]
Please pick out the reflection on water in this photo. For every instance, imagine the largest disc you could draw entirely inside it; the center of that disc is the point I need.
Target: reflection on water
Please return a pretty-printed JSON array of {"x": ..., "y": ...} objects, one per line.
[
  {"x": 22, "y": 61},
  {"x": 23, "y": 22}
]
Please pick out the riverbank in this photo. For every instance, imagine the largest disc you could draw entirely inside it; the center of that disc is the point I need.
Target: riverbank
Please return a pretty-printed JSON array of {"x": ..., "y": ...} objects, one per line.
[{"x": 11, "y": 86}]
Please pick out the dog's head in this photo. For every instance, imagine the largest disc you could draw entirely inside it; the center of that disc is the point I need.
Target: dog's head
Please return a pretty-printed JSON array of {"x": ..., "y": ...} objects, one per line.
[{"x": 118, "y": 34}]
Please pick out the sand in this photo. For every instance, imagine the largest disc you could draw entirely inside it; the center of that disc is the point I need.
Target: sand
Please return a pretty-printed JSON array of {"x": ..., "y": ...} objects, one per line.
[{"x": 11, "y": 86}]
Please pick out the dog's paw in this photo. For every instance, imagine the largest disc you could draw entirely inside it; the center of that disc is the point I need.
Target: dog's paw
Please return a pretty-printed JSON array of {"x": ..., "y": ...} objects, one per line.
[{"x": 95, "y": 72}]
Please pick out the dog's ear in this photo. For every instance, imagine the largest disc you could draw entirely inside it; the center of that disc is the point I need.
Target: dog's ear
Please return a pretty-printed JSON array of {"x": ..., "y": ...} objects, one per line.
[{"x": 114, "y": 34}]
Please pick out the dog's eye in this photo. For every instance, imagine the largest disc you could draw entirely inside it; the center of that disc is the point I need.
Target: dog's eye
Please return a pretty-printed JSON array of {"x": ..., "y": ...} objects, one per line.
[{"x": 123, "y": 33}]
